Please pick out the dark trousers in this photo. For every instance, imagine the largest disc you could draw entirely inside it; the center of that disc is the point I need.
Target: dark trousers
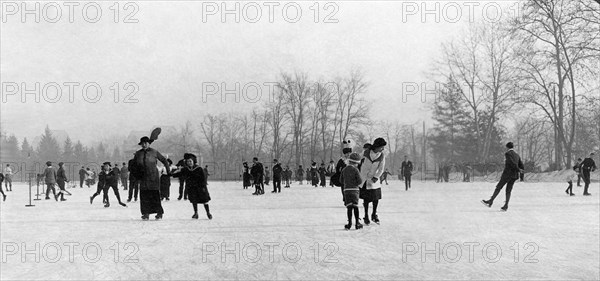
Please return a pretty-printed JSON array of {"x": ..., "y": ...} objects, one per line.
[
  {"x": 509, "y": 182},
  {"x": 134, "y": 186},
  {"x": 276, "y": 185},
  {"x": 586, "y": 180},
  {"x": 124, "y": 183},
  {"x": 570, "y": 188},
  {"x": 103, "y": 189},
  {"x": 407, "y": 181},
  {"x": 115, "y": 190},
  {"x": 81, "y": 180},
  {"x": 50, "y": 186},
  {"x": 579, "y": 179}
]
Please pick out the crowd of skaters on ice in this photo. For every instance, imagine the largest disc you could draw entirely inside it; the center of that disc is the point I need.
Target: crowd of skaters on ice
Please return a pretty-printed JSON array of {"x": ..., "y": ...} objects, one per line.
[{"x": 359, "y": 173}]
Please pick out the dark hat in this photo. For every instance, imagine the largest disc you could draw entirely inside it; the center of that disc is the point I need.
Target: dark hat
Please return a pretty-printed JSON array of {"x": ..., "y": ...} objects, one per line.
[
  {"x": 274, "y": 160},
  {"x": 48, "y": 163},
  {"x": 510, "y": 145},
  {"x": 322, "y": 163},
  {"x": 366, "y": 146},
  {"x": 379, "y": 142},
  {"x": 187, "y": 156},
  {"x": 145, "y": 139},
  {"x": 60, "y": 163},
  {"x": 354, "y": 158},
  {"x": 255, "y": 158},
  {"x": 106, "y": 163}
]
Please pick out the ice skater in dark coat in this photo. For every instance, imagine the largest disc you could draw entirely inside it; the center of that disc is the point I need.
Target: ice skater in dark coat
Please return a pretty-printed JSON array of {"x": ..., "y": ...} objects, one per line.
[
  {"x": 195, "y": 184},
  {"x": 512, "y": 169}
]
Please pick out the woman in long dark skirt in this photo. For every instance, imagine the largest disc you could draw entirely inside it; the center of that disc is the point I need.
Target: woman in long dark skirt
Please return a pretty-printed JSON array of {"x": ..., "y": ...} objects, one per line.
[
  {"x": 246, "y": 176},
  {"x": 195, "y": 183},
  {"x": 146, "y": 171}
]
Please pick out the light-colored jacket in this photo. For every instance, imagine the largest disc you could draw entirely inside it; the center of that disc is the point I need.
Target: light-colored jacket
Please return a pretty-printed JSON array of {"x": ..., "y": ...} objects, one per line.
[{"x": 372, "y": 167}]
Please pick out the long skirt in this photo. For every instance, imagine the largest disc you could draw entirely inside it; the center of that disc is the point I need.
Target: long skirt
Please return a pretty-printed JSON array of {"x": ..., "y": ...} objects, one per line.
[{"x": 150, "y": 202}]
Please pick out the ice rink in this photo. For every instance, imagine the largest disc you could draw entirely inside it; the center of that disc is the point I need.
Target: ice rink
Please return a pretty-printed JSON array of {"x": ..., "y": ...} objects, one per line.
[{"x": 433, "y": 231}]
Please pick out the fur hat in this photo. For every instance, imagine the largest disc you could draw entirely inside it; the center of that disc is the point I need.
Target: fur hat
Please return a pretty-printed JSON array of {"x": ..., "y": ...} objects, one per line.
[
  {"x": 510, "y": 145},
  {"x": 379, "y": 142},
  {"x": 354, "y": 158}
]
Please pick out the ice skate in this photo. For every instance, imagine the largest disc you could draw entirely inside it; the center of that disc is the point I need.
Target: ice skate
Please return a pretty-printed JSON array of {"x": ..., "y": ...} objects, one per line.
[
  {"x": 358, "y": 225},
  {"x": 367, "y": 222},
  {"x": 348, "y": 226},
  {"x": 195, "y": 216},
  {"x": 158, "y": 216},
  {"x": 145, "y": 217},
  {"x": 504, "y": 209},
  {"x": 375, "y": 218},
  {"x": 487, "y": 203}
]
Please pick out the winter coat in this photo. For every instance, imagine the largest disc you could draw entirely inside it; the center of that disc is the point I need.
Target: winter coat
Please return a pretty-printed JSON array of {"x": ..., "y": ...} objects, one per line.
[
  {"x": 512, "y": 165},
  {"x": 195, "y": 184},
  {"x": 277, "y": 171},
  {"x": 372, "y": 168},
  {"x": 145, "y": 169},
  {"x": 61, "y": 175},
  {"x": 50, "y": 175}
]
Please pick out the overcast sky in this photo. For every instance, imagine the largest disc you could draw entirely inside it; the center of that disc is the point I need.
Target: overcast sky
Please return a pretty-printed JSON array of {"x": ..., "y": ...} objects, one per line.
[{"x": 172, "y": 51}]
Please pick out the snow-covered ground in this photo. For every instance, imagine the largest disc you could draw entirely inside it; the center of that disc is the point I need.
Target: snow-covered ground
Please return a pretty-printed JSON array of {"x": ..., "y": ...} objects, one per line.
[{"x": 299, "y": 234}]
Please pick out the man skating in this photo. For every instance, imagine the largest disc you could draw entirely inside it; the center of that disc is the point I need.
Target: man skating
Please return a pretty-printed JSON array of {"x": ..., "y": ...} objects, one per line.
[
  {"x": 257, "y": 172},
  {"x": 406, "y": 170},
  {"x": 50, "y": 180},
  {"x": 512, "y": 169},
  {"x": 61, "y": 179},
  {"x": 587, "y": 166},
  {"x": 82, "y": 174},
  {"x": 277, "y": 172}
]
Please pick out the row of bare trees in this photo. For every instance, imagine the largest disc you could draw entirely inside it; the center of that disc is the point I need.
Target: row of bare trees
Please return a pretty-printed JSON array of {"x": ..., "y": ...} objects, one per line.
[{"x": 539, "y": 69}]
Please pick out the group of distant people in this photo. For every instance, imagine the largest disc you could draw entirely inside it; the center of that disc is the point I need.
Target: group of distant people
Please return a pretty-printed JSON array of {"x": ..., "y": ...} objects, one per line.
[{"x": 581, "y": 170}]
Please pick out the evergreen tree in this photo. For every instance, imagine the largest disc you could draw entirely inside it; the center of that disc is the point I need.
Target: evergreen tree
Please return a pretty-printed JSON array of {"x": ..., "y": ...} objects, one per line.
[
  {"x": 26, "y": 150},
  {"x": 68, "y": 151},
  {"x": 48, "y": 149},
  {"x": 78, "y": 154}
]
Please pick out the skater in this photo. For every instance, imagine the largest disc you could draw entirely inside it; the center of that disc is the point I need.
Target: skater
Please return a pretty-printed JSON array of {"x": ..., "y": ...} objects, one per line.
[
  {"x": 308, "y": 176},
  {"x": 61, "y": 179},
  {"x": 322, "y": 173},
  {"x": 578, "y": 171},
  {"x": 588, "y": 165},
  {"x": 103, "y": 178},
  {"x": 300, "y": 174},
  {"x": 195, "y": 184},
  {"x": 371, "y": 170},
  {"x": 257, "y": 172},
  {"x": 246, "y": 182},
  {"x": 330, "y": 171},
  {"x": 146, "y": 173},
  {"x": 181, "y": 180},
  {"x": 50, "y": 180},
  {"x": 267, "y": 175},
  {"x": 342, "y": 163},
  {"x": 314, "y": 174},
  {"x": 89, "y": 177},
  {"x": 82, "y": 174},
  {"x": 8, "y": 173},
  {"x": 124, "y": 176},
  {"x": 165, "y": 181},
  {"x": 352, "y": 180},
  {"x": 134, "y": 184},
  {"x": 384, "y": 177},
  {"x": 117, "y": 172},
  {"x": 277, "y": 171},
  {"x": 2, "y": 191},
  {"x": 287, "y": 173},
  {"x": 512, "y": 167},
  {"x": 112, "y": 181},
  {"x": 570, "y": 177},
  {"x": 406, "y": 171}
]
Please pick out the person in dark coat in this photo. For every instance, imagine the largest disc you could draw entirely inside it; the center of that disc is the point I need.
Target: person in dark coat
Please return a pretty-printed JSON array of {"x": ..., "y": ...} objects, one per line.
[
  {"x": 287, "y": 173},
  {"x": 246, "y": 182},
  {"x": 300, "y": 174},
  {"x": 257, "y": 172},
  {"x": 134, "y": 184},
  {"x": 322, "y": 171},
  {"x": 206, "y": 174},
  {"x": 314, "y": 174},
  {"x": 50, "y": 180},
  {"x": 342, "y": 163},
  {"x": 406, "y": 170},
  {"x": 82, "y": 174},
  {"x": 2, "y": 191},
  {"x": 117, "y": 172},
  {"x": 165, "y": 182},
  {"x": 267, "y": 175},
  {"x": 308, "y": 176},
  {"x": 112, "y": 181},
  {"x": 195, "y": 184},
  {"x": 277, "y": 173},
  {"x": 587, "y": 166},
  {"x": 512, "y": 169},
  {"x": 61, "y": 179},
  {"x": 104, "y": 177},
  {"x": 124, "y": 176},
  {"x": 146, "y": 173}
]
